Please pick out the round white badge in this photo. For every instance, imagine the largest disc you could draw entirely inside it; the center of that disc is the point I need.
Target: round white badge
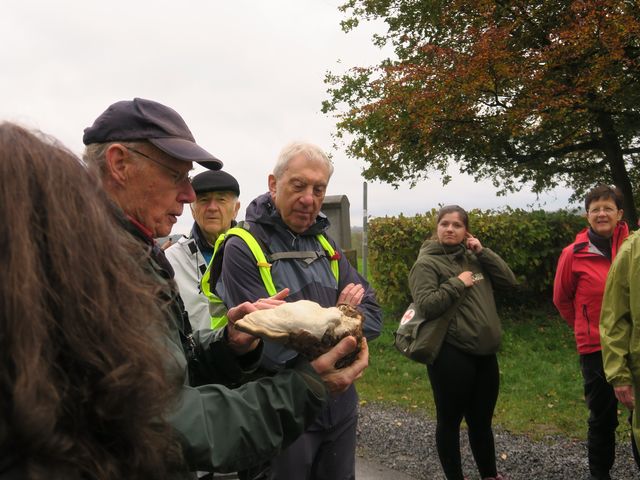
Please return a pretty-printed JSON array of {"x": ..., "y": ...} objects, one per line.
[{"x": 408, "y": 315}]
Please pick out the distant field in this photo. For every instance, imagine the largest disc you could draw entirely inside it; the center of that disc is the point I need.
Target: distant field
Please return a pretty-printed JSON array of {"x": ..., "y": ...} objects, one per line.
[{"x": 541, "y": 384}]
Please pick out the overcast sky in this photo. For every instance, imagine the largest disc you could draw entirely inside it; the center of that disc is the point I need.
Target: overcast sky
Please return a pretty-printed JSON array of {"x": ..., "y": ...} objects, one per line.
[{"x": 247, "y": 76}]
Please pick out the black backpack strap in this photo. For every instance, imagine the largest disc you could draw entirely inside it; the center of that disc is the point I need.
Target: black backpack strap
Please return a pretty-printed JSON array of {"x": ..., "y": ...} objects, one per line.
[{"x": 308, "y": 257}]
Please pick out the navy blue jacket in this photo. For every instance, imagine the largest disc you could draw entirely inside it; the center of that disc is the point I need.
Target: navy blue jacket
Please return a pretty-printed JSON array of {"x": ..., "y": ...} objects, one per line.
[{"x": 240, "y": 281}]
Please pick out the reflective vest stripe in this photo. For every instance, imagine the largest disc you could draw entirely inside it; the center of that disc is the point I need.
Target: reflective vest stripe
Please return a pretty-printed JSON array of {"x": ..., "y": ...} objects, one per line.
[
  {"x": 264, "y": 267},
  {"x": 218, "y": 318},
  {"x": 335, "y": 268},
  {"x": 217, "y": 309},
  {"x": 218, "y": 312}
]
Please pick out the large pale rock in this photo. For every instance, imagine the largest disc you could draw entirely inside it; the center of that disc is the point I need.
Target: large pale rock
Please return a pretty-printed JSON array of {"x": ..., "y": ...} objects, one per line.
[{"x": 306, "y": 327}]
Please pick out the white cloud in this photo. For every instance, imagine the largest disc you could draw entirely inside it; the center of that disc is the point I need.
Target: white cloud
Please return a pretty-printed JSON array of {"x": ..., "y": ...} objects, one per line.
[{"x": 247, "y": 76}]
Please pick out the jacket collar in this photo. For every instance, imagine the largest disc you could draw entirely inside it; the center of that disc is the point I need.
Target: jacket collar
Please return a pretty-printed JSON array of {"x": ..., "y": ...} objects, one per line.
[
  {"x": 582, "y": 244},
  {"x": 262, "y": 210},
  {"x": 434, "y": 247},
  {"x": 133, "y": 227},
  {"x": 146, "y": 233},
  {"x": 201, "y": 241},
  {"x": 142, "y": 234},
  {"x": 203, "y": 245}
]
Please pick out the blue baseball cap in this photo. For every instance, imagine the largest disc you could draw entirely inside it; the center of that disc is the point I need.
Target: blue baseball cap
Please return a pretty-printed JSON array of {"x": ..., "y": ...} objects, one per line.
[{"x": 141, "y": 119}]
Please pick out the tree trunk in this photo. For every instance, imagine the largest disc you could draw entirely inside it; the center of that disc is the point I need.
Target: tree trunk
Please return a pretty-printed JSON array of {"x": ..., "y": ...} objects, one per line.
[{"x": 615, "y": 159}]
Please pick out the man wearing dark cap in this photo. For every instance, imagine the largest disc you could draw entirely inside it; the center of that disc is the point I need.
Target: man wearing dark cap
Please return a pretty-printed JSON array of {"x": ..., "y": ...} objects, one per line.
[
  {"x": 130, "y": 144},
  {"x": 143, "y": 151},
  {"x": 214, "y": 212}
]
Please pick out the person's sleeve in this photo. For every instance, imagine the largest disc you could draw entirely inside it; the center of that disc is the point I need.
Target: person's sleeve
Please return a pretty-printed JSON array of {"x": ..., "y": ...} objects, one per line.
[
  {"x": 176, "y": 258},
  {"x": 229, "y": 430},
  {"x": 430, "y": 297},
  {"x": 564, "y": 287},
  {"x": 616, "y": 323},
  {"x": 240, "y": 277},
  {"x": 500, "y": 273},
  {"x": 369, "y": 305},
  {"x": 215, "y": 362}
]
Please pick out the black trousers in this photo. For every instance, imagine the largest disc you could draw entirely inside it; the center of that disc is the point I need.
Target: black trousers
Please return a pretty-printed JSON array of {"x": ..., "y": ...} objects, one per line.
[
  {"x": 464, "y": 386},
  {"x": 603, "y": 416}
]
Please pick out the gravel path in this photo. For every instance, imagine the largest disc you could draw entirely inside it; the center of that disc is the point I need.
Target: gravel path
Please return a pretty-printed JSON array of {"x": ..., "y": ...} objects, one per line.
[{"x": 405, "y": 441}]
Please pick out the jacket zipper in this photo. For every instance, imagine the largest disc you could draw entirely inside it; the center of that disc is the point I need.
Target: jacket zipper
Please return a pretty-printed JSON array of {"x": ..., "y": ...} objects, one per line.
[{"x": 584, "y": 314}]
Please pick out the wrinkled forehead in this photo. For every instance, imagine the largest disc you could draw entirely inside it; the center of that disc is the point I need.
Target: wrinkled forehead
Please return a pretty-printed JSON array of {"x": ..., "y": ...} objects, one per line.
[
  {"x": 307, "y": 169},
  {"x": 216, "y": 194}
]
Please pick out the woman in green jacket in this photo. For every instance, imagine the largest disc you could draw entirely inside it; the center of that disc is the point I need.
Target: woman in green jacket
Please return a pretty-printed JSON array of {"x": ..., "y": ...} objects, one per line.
[
  {"x": 620, "y": 330},
  {"x": 454, "y": 271}
]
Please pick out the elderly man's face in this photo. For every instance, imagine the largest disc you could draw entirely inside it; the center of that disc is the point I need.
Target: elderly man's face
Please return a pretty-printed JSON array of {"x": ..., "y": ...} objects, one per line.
[
  {"x": 214, "y": 211},
  {"x": 298, "y": 194},
  {"x": 158, "y": 190}
]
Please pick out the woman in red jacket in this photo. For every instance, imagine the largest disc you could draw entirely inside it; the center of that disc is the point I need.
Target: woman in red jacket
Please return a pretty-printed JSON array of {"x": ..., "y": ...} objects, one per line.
[{"x": 577, "y": 294}]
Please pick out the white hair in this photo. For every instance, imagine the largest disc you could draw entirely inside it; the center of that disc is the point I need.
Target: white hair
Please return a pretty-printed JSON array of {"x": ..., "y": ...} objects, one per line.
[
  {"x": 308, "y": 150},
  {"x": 95, "y": 156}
]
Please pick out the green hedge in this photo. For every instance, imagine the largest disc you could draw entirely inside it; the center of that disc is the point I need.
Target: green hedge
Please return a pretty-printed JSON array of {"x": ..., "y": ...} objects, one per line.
[{"x": 529, "y": 241}]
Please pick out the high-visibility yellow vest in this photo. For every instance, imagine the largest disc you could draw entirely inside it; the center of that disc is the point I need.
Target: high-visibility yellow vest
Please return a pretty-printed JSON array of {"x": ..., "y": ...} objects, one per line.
[{"x": 217, "y": 308}]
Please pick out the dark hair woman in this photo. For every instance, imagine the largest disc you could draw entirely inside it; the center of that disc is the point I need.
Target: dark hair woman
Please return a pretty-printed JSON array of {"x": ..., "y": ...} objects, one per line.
[
  {"x": 578, "y": 289},
  {"x": 454, "y": 271},
  {"x": 82, "y": 381}
]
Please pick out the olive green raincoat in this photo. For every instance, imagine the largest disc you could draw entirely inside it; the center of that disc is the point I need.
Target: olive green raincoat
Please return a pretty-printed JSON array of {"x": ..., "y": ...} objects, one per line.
[{"x": 620, "y": 322}]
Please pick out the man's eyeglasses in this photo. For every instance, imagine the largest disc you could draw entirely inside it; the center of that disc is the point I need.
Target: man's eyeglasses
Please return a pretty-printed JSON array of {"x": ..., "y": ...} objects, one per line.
[
  {"x": 176, "y": 175},
  {"x": 607, "y": 210}
]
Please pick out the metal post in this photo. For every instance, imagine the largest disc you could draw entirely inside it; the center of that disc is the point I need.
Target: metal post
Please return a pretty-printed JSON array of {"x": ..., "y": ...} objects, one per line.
[{"x": 365, "y": 248}]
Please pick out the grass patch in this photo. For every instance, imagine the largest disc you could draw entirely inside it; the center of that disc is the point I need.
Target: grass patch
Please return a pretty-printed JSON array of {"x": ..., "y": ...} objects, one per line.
[
  {"x": 541, "y": 384},
  {"x": 392, "y": 378}
]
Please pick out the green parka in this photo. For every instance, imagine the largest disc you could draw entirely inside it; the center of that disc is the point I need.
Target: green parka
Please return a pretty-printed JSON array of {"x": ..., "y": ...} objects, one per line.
[
  {"x": 223, "y": 429},
  {"x": 620, "y": 322},
  {"x": 435, "y": 287}
]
